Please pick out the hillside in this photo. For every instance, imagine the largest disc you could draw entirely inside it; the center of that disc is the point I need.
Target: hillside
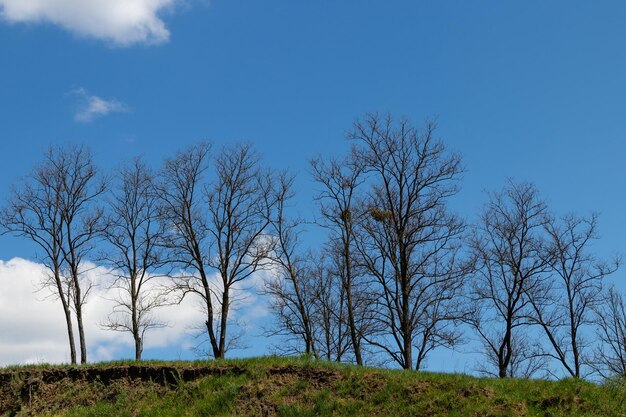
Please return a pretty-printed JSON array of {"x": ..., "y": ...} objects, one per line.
[{"x": 288, "y": 387}]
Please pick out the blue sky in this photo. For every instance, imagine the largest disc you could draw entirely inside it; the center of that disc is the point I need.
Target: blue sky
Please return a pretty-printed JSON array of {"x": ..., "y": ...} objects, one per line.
[{"x": 525, "y": 89}]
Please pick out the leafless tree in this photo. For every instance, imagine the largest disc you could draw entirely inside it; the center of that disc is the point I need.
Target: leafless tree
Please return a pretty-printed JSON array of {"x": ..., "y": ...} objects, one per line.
[
  {"x": 56, "y": 208},
  {"x": 330, "y": 317},
  {"x": 216, "y": 226},
  {"x": 410, "y": 241},
  {"x": 527, "y": 358},
  {"x": 81, "y": 188},
  {"x": 34, "y": 211},
  {"x": 339, "y": 180},
  {"x": 134, "y": 235},
  {"x": 183, "y": 217},
  {"x": 240, "y": 205},
  {"x": 610, "y": 355},
  {"x": 563, "y": 301},
  {"x": 510, "y": 258},
  {"x": 291, "y": 287}
]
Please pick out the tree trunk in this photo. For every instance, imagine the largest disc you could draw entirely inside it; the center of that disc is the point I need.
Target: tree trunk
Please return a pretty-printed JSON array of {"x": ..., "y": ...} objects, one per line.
[
  {"x": 356, "y": 343},
  {"x": 68, "y": 315},
  {"x": 209, "y": 306},
  {"x": 406, "y": 331},
  {"x": 504, "y": 355},
  {"x": 136, "y": 335},
  {"x": 138, "y": 348},
  {"x": 502, "y": 371},
  {"x": 79, "y": 316},
  {"x": 70, "y": 331},
  {"x": 81, "y": 334},
  {"x": 223, "y": 321}
]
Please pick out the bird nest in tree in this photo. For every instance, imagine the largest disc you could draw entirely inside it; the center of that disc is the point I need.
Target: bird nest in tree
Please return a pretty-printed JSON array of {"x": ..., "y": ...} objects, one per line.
[{"x": 381, "y": 215}]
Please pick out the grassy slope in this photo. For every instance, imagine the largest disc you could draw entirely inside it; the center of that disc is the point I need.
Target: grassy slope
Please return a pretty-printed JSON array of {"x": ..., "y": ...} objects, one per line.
[{"x": 289, "y": 387}]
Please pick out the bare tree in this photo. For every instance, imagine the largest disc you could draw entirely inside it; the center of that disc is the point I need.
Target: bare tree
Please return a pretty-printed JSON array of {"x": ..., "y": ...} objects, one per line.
[
  {"x": 307, "y": 296},
  {"x": 610, "y": 355},
  {"x": 34, "y": 211},
  {"x": 340, "y": 180},
  {"x": 82, "y": 221},
  {"x": 135, "y": 237},
  {"x": 329, "y": 300},
  {"x": 410, "y": 241},
  {"x": 291, "y": 288},
  {"x": 527, "y": 358},
  {"x": 563, "y": 301},
  {"x": 55, "y": 208},
  {"x": 240, "y": 205},
  {"x": 183, "y": 217},
  {"x": 510, "y": 255},
  {"x": 216, "y": 226}
]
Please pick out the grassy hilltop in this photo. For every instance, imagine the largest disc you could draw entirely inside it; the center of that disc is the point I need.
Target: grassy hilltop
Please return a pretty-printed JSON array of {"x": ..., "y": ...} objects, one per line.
[{"x": 275, "y": 386}]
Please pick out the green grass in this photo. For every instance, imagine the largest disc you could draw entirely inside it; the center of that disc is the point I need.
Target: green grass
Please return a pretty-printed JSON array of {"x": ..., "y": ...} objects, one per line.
[{"x": 278, "y": 386}]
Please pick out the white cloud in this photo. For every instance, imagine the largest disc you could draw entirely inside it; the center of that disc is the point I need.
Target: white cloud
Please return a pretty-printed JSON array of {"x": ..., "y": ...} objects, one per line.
[
  {"x": 32, "y": 324},
  {"x": 91, "y": 107},
  {"x": 121, "y": 22}
]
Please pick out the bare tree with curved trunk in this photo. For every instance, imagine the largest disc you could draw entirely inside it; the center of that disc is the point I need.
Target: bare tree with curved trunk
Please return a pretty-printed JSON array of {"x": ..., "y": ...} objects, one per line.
[
  {"x": 183, "y": 217},
  {"x": 410, "y": 241},
  {"x": 134, "y": 235},
  {"x": 511, "y": 256}
]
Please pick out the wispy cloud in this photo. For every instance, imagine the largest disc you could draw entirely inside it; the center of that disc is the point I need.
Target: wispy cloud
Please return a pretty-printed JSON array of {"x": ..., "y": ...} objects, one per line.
[
  {"x": 91, "y": 107},
  {"x": 120, "y": 22}
]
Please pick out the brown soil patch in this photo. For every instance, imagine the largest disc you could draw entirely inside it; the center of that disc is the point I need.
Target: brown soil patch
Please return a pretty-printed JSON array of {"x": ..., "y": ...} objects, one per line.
[{"x": 29, "y": 388}]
